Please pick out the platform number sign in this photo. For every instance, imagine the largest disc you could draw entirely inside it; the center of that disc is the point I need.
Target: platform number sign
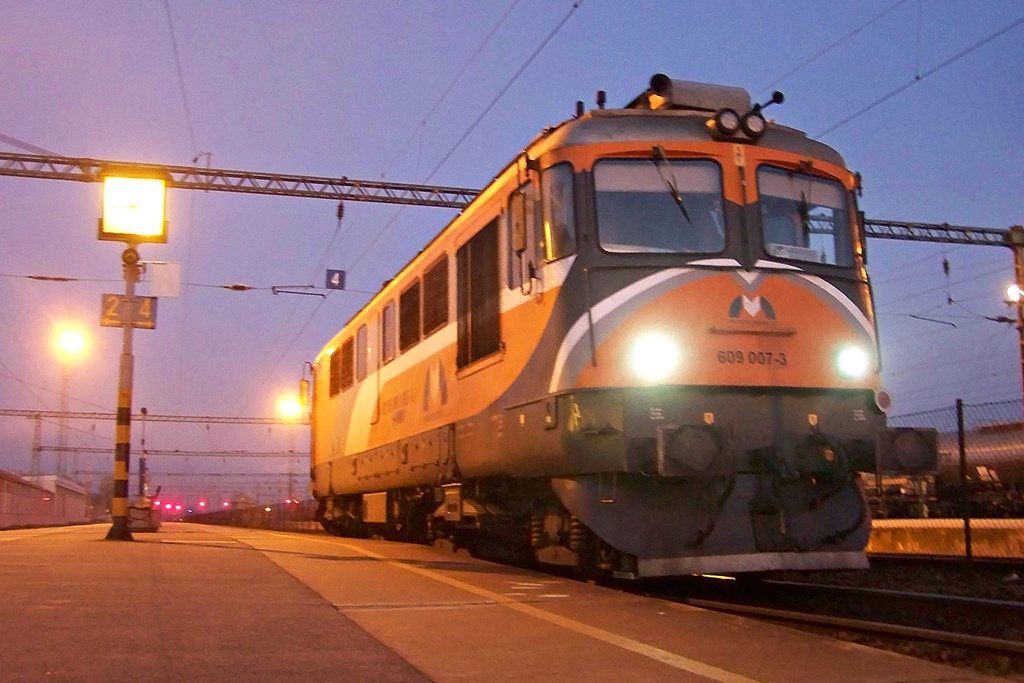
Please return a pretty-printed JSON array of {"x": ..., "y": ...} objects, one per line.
[
  {"x": 335, "y": 279},
  {"x": 114, "y": 311}
]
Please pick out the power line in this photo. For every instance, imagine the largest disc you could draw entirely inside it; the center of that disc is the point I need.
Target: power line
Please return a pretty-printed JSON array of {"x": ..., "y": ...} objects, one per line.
[
  {"x": 829, "y": 48},
  {"x": 451, "y": 86},
  {"x": 505, "y": 89},
  {"x": 476, "y": 122},
  {"x": 27, "y": 146},
  {"x": 917, "y": 79},
  {"x": 181, "y": 78}
]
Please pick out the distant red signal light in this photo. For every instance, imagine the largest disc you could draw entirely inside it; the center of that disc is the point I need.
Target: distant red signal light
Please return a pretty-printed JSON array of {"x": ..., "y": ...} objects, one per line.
[{"x": 202, "y": 503}]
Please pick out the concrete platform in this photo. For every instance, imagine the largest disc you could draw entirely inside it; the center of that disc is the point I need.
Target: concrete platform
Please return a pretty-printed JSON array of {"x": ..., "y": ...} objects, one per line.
[
  {"x": 990, "y": 538},
  {"x": 192, "y": 602}
]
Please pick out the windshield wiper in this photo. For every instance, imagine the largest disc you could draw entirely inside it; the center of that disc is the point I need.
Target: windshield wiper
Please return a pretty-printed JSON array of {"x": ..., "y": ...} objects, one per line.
[
  {"x": 805, "y": 217},
  {"x": 659, "y": 159}
]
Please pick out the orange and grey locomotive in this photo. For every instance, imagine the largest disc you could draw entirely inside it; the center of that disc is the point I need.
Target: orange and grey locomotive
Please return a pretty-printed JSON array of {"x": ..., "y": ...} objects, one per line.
[{"x": 648, "y": 348}]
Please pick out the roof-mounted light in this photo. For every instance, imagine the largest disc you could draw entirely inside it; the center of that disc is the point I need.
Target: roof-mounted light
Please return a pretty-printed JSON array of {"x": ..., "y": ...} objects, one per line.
[
  {"x": 727, "y": 122},
  {"x": 753, "y": 124}
]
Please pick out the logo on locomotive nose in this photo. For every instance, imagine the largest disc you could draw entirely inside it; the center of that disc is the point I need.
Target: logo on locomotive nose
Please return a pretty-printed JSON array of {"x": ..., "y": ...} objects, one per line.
[{"x": 752, "y": 307}]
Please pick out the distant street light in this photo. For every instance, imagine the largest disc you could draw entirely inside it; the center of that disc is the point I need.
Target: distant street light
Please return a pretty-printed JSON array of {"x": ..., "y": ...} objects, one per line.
[
  {"x": 133, "y": 212},
  {"x": 289, "y": 407},
  {"x": 69, "y": 343}
]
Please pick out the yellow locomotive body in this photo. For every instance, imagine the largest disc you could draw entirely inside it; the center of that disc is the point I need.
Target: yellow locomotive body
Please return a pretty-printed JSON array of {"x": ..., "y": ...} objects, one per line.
[{"x": 648, "y": 347}]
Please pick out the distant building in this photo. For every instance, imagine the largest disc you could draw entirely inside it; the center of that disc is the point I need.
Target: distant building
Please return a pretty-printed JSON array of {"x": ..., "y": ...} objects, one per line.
[{"x": 42, "y": 500}]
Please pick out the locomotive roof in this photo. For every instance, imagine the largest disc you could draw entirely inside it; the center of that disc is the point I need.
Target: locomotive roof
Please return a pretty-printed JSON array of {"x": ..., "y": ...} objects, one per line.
[{"x": 645, "y": 125}]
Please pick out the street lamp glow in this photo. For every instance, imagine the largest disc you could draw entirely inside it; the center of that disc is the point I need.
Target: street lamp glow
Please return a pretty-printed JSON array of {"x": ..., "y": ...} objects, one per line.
[
  {"x": 1013, "y": 293},
  {"x": 69, "y": 342},
  {"x": 289, "y": 407},
  {"x": 133, "y": 210}
]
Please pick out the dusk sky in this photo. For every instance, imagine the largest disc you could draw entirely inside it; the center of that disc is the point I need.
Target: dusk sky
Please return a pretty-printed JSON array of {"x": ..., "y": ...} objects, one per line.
[{"x": 387, "y": 89}]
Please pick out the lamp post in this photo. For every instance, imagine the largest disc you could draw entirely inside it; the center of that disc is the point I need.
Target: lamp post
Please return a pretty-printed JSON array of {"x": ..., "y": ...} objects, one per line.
[
  {"x": 1015, "y": 293},
  {"x": 70, "y": 344},
  {"x": 290, "y": 408},
  {"x": 133, "y": 212}
]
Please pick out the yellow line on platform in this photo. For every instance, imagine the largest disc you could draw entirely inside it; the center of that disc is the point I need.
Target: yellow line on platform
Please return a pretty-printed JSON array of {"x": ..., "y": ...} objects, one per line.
[{"x": 655, "y": 653}]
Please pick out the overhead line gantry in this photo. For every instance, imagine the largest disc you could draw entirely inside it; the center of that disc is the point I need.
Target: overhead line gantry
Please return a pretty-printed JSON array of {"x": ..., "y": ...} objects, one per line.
[
  {"x": 383, "y": 192},
  {"x": 251, "y": 182}
]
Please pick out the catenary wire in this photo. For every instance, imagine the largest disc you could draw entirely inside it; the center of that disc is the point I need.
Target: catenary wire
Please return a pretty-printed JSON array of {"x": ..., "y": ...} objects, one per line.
[
  {"x": 472, "y": 127},
  {"x": 828, "y": 48},
  {"x": 27, "y": 146},
  {"x": 181, "y": 77},
  {"x": 918, "y": 78},
  {"x": 501, "y": 93},
  {"x": 447, "y": 91}
]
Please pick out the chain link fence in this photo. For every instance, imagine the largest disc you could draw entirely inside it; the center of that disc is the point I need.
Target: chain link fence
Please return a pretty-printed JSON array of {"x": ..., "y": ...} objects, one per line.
[{"x": 973, "y": 505}]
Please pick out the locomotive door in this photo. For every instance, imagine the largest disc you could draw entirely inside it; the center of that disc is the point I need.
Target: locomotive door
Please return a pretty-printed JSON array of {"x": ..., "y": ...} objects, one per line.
[{"x": 526, "y": 241}]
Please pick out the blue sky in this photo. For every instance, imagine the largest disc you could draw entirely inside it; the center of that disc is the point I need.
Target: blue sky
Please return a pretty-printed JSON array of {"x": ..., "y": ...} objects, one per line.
[{"x": 355, "y": 89}]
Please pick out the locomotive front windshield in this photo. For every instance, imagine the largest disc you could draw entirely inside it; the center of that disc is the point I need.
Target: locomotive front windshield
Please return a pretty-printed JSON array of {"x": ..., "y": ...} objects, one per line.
[
  {"x": 804, "y": 217},
  {"x": 659, "y": 206}
]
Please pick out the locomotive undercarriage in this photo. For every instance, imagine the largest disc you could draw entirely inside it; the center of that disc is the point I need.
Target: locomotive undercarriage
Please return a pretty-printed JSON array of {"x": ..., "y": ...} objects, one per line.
[
  {"x": 686, "y": 487},
  {"x": 516, "y": 521}
]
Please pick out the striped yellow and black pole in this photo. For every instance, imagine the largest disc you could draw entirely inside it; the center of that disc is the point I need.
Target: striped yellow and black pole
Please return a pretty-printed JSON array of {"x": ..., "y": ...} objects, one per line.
[{"x": 122, "y": 439}]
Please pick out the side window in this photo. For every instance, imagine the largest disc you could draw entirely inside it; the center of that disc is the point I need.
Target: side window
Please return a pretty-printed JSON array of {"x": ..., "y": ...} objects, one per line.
[
  {"x": 387, "y": 328},
  {"x": 479, "y": 314},
  {"x": 409, "y": 317},
  {"x": 558, "y": 212},
  {"x": 335, "y": 373},
  {"x": 435, "y": 297},
  {"x": 347, "y": 356},
  {"x": 525, "y": 239},
  {"x": 361, "y": 354}
]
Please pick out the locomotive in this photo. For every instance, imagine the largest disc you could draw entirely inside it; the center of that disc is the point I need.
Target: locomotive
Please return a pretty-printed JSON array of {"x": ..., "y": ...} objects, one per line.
[{"x": 646, "y": 348}]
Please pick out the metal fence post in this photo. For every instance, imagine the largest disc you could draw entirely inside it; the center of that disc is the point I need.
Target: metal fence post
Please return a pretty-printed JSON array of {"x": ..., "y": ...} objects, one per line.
[{"x": 965, "y": 499}]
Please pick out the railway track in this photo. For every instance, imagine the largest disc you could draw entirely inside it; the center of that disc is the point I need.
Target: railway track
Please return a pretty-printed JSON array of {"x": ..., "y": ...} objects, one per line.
[{"x": 983, "y": 634}]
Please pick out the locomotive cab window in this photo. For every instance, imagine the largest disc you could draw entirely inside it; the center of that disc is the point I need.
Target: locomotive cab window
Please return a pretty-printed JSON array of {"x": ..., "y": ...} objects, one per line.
[
  {"x": 387, "y": 332},
  {"x": 559, "y": 216},
  {"x": 659, "y": 206},
  {"x": 435, "y": 297},
  {"x": 409, "y": 317},
  {"x": 804, "y": 217}
]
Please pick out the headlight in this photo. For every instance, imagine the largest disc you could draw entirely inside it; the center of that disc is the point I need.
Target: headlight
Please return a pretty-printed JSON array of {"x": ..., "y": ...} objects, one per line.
[
  {"x": 654, "y": 357},
  {"x": 753, "y": 124},
  {"x": 852, "y": 362},
  {"x": 727, "y": 121}
]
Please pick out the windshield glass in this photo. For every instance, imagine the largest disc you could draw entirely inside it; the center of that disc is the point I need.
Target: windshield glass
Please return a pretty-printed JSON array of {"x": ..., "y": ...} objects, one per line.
[
  {"x": 663, "y": 206},
  {"x": 803, "y": 217}
]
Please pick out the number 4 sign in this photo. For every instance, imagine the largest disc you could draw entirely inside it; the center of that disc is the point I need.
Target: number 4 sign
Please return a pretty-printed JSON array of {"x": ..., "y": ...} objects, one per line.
[{"x": 335, "y": 279}]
